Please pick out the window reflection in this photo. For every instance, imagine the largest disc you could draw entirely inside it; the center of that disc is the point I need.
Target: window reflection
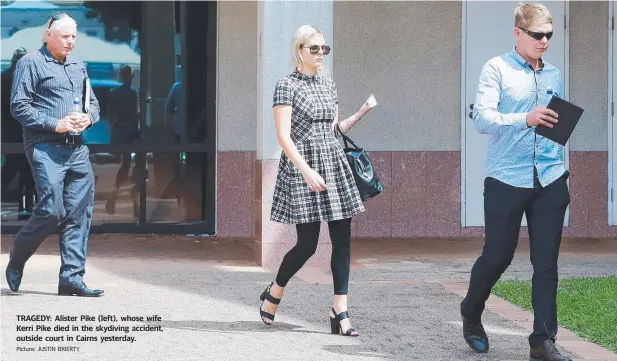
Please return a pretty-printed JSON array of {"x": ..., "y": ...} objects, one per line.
[
  {"x": 116, "y": 198},
  {"x": 175, "y": 187},
  {"x": 109, "y": 41},
  {"x": 104, "y": 46},
  {"x": 163, "y": 56},
  {"x": 123, "y": 109},
  {"x": 139, "y": 72},
  {"x": 18, "y": 191}
]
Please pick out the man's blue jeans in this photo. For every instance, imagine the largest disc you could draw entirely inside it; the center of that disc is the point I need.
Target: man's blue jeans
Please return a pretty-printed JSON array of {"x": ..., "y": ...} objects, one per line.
[{"x": 65, "y": 186}]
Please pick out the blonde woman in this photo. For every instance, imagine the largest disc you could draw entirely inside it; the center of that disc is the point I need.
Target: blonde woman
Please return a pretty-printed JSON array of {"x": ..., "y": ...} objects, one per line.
[{"x": 314, "y": 181}]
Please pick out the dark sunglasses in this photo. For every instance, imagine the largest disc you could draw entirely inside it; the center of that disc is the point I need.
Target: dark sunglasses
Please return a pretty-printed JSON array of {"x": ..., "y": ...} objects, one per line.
[
  {"x": 538, "y": 36},
  {"x": 58, "y": 16},
  {"x": 314, "y": 49}
]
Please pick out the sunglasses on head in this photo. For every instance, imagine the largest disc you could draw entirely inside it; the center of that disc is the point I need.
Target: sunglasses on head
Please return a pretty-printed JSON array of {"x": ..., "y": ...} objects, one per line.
[
  {"x": 538, "y": 36},
  {"x": 314, "y": 49},
  {"x": 57, "y": 16}
]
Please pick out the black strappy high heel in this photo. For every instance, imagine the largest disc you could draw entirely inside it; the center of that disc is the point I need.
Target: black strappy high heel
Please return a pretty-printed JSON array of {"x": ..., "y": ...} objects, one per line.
[
  {"x": 265, "y": 295},
  {"x": 335, "y": 324}
]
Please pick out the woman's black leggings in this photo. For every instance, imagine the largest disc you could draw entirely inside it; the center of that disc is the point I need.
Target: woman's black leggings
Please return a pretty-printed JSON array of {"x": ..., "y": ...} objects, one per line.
[{"x": 308, "y": 235}]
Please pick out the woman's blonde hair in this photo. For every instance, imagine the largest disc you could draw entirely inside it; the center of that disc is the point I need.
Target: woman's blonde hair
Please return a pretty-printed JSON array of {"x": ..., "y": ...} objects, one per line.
[
  {"x": 526, "y": 15},
  {"x": 301, "y": 36}
]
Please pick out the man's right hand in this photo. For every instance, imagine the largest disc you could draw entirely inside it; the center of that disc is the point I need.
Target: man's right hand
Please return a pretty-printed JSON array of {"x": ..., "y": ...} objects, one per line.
[
  {"x": 541, "y": 116},
  {"x": 66, "y": 124}
]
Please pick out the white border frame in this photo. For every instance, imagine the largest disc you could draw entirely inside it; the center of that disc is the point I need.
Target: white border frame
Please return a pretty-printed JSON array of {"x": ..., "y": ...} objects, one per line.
[
  {"x": 611, "y": 12},
  {"x": 566, "y": 77},
  {"x": 566, "y": 87},
  {"x": 463, "y": 109}
]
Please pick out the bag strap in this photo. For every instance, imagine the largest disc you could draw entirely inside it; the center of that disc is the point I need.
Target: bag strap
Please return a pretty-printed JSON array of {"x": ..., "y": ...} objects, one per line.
[{"x": 345, "y": 137}]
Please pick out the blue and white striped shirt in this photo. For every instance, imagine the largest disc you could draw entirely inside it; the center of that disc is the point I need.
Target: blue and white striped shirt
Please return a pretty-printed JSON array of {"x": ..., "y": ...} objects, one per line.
[
  {"x": 508, "y": 88},
  {"x": 43, "y": 92}
]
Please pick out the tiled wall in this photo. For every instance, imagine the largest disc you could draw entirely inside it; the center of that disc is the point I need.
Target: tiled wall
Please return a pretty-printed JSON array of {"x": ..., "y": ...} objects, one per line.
[
  {"x": 421, "y": 196},
  {"x": 235, "y": 194},
  {"x": 589, "y": 196}
]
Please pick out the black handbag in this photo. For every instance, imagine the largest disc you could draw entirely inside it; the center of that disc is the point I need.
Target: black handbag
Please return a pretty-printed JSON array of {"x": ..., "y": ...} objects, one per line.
[{"x": 364, "y": 174}]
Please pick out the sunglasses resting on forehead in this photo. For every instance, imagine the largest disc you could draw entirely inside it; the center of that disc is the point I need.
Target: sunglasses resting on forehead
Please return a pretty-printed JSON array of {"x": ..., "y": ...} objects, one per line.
[
  {"x": 538, "y": 36},
  {"x": 314, "y": 49},
  {"x": 57, "y": 16}
]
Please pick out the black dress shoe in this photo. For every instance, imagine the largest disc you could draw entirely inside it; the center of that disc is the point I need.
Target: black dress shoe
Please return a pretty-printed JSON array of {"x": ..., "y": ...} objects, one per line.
[
  {"x": 13, "y": 278},
  {"x": 474, "y": 335},
  {"x": 79, "y": 290},
  {"x": 546, "y": 352}
]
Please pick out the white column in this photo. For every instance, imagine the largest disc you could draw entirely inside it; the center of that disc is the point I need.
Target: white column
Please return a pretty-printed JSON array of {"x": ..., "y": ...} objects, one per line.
[{"x": 276, "y": 23}]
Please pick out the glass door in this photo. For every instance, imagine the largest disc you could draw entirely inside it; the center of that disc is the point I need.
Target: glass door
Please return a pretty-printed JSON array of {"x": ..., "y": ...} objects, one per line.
[{"x": 153, "y": 152}]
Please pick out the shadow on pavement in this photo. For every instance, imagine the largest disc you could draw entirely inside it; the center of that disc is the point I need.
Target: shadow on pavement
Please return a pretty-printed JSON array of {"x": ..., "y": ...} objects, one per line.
[{"x": 235, "y": 326}]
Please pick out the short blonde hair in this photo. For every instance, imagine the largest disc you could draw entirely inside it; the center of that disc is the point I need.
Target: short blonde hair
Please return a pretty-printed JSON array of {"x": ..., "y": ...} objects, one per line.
[
  {"x": 301, "y": 36},
  {"x": 528, "y": 14}
]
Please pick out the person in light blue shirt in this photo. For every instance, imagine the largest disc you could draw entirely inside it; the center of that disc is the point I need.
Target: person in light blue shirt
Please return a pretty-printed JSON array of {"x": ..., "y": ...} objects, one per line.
[{"x": 525, "y": 174}]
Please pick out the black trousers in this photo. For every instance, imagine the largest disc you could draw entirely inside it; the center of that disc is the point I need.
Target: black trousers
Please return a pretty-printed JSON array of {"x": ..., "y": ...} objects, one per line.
[
  {"x": 545, "y": 209},
  {"x": 308, "y": 235}
]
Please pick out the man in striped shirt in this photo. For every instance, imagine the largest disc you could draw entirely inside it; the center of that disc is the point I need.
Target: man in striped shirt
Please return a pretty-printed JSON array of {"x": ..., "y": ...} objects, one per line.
[{"x": 45, "y": 84}]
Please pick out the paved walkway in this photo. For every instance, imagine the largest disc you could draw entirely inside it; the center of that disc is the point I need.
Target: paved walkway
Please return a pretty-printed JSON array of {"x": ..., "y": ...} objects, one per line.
[{"x": 404, "y": 300}]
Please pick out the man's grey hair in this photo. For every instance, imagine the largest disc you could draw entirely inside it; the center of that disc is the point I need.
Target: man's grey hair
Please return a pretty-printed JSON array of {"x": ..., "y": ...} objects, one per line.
[{"x": 51, "y": 23}]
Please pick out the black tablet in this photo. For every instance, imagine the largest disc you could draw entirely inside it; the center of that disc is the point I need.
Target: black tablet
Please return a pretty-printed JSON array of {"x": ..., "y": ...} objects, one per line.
[{"x": 568, "y": 116}]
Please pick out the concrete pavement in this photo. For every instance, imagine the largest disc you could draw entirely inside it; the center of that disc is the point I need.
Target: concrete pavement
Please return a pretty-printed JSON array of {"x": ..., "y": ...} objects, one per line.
[{"x": 403, "y": 300}]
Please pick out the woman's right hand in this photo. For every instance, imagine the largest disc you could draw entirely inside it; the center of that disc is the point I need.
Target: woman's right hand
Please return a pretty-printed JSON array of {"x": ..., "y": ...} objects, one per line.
[
  {"x": 314, "y": 180},
  {"x": 371, "y": 102}
]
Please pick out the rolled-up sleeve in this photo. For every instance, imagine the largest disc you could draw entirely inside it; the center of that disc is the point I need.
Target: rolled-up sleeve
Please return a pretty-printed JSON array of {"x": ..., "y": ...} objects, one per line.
[
  {"x": 22, "y": 96},
  {"x": 487, "y": 118}
]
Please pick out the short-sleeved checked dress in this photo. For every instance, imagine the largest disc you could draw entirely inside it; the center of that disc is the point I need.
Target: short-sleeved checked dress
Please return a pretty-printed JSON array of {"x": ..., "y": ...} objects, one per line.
[{"x": 313, "y": 101}]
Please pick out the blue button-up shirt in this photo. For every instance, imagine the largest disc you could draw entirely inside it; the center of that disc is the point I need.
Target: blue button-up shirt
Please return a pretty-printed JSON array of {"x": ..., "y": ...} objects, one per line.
[
  {"x": 43, "y": 92},
  {"x": 508, "y": 88}
]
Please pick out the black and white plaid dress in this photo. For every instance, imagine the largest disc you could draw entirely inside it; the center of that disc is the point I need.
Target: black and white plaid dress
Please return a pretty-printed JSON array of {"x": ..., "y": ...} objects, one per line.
[{"x": 313, "y": 101}]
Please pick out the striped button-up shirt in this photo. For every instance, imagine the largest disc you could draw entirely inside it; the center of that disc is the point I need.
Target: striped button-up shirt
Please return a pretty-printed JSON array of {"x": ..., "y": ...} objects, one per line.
[
  {"x": 43, "y": 92},
  {"x": 508, "y": 88}
]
